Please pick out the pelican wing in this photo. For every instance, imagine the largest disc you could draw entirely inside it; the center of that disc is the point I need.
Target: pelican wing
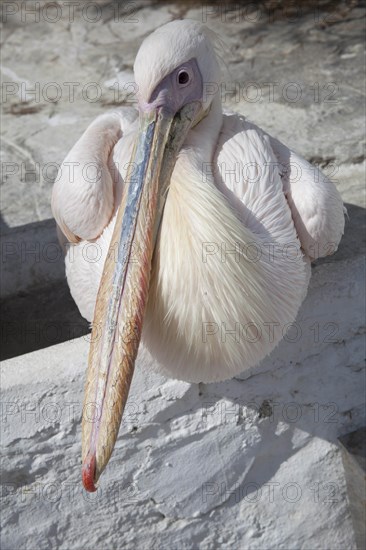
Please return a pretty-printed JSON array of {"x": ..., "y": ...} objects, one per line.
[
  {"x": 316, "y": 205},
  {"x": 84, "y": 193},
  {"x": 254, "y": 167}
]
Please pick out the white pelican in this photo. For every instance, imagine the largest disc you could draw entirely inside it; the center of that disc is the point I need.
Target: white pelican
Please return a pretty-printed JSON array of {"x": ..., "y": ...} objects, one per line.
[{"x": 210, "y": 246}]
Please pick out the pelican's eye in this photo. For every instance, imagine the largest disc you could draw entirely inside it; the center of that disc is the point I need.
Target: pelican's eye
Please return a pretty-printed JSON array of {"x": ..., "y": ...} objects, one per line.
[{"x": 183, "y": 78}]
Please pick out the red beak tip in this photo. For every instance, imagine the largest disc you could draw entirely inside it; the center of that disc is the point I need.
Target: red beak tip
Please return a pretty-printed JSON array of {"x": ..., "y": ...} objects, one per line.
[{"x": 88, "y": 473}]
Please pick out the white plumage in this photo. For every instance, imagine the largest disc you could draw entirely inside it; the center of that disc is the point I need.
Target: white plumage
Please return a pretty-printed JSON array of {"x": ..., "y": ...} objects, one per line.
[{"x": 232, "y": 261}]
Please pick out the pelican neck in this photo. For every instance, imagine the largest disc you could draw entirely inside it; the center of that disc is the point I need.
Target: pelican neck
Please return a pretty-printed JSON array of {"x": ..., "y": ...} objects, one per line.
[{"x": 202, "y": 139}]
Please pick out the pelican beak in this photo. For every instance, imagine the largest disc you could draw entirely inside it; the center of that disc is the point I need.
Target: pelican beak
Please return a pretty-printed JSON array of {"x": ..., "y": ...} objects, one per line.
[{"x": 124, "y": 286}]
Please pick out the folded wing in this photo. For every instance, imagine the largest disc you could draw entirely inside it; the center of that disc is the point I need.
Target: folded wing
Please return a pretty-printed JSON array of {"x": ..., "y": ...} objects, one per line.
[
  {"x": 84, "y": 192},
  {"x": 256, "y": 168}
]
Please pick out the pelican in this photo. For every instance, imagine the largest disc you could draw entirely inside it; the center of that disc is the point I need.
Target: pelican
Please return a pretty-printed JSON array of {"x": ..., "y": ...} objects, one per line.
[{"x": 189, "y": 228}]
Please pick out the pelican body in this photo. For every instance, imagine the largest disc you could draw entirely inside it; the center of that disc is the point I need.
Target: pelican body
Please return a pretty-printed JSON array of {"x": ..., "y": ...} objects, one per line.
[{"x": 201, "y": 226}]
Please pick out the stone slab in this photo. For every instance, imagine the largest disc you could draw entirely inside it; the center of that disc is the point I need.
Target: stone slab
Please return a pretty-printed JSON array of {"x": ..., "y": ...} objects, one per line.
[{"x": 354, "y": 459}]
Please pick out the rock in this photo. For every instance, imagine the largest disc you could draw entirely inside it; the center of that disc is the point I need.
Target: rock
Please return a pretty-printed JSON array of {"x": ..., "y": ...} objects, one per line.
[{"x": 354, "y": 460}]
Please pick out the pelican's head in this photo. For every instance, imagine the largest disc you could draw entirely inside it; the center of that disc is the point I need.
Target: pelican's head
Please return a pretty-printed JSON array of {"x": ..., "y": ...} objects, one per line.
[
  {"x": 171, "y": 69},
  {"x": 177, "y": 65}
]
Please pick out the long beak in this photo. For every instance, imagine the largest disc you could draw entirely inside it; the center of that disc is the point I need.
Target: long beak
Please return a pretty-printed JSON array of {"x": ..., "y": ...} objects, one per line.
[{"x": 124, "y": 286}]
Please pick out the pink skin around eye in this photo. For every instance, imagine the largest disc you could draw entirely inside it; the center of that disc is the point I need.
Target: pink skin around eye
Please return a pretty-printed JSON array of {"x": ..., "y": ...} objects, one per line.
[{"x": 171, "y": 95}]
